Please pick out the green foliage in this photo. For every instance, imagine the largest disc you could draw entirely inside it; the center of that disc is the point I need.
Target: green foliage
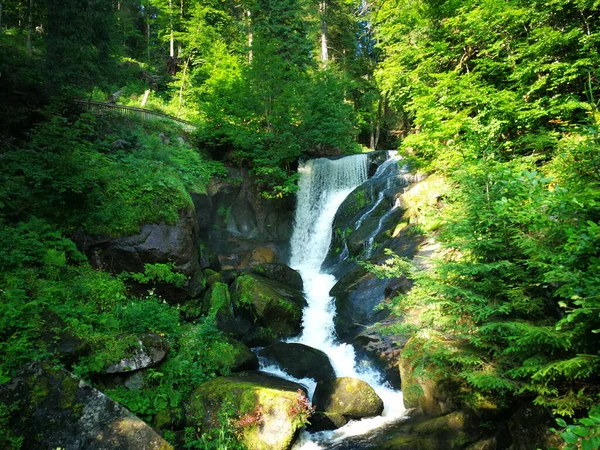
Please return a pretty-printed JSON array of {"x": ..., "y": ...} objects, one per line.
[
  {"x": 584, "y": 434},
  {"x": 101, "y": 176},
  {"x": 158, "y": 273},
  {"x": 222, "y": 437},
  {"x": 7, "y": 439}
]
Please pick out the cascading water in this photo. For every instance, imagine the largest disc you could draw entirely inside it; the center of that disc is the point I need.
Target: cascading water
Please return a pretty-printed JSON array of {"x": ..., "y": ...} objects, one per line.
[{"x": 323, "y": 186}]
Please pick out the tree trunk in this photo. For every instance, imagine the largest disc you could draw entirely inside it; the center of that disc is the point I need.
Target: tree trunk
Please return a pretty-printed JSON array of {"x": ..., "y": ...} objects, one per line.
[
  {"x": 145, "y": 99},
  {"x": 185, "y": 66},
  {"x": 1, "y": 4},
  {"x": 172, "y": 40},
  {"x": 378, "y": 123},
  {"x": 249, "y": 21},
  {"x": 29, "y": 27},
  {"x": 148, "y": 40},
  {"x": 324, "y": 49}
]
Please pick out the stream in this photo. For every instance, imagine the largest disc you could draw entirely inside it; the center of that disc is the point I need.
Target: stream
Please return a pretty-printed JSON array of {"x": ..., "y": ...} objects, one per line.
[{"x": 323, "y": 186}]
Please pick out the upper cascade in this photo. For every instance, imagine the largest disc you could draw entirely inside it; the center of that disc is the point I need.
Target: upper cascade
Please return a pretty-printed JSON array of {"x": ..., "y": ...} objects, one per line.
[{"x": 323, "y": 186}]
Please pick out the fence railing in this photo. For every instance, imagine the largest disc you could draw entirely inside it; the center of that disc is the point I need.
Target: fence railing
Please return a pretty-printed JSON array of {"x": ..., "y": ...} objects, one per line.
[{"x": 103, "y": 108}]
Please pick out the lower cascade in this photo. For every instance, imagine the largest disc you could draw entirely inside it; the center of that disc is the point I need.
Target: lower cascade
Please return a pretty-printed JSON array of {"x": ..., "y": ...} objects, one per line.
[{"x": 323, "y": 186}]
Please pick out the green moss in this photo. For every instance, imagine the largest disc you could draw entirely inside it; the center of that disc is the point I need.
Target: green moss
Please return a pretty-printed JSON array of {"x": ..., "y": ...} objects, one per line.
[{"x": 69, "y": 387}]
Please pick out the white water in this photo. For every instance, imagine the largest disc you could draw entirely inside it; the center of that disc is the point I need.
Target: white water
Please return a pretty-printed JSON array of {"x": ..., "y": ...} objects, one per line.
[{"x": 323, "y": 186}]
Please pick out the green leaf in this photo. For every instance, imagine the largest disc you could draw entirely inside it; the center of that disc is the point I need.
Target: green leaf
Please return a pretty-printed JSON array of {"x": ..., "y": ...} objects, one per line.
[
  {"x": 569, "y": 437},
  {"x": 561, "y": 422}
]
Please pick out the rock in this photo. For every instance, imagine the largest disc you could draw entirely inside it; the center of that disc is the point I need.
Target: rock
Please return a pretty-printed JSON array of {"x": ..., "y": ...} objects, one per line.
[
  {"x": 204, "y": 210},
  {"x": 267, "y": 405},
  {"x": 349, "y": 397},
  {"x": 155, "y": 243},
  {"x": 453, "y": 431},
  {"x": 258, "y": 256},
  {"x": 382, "y": 349},
  {"x": 245, "y": 358},
  {"x": 243, "y": 220},
  {"x": 357, "y": 294},
  {"x": 212, "y": 277},
  {"x": 425, "y": 388},
  {"x": 217, "y": 305},
  {"x": 529, "y": 428},
  {"x": 281, "y": 273},
  {"x": 265, "y": 310},
  {"x": 149, "y": 350},
  {"x": 485, "y": 444},
  {"x": 322, "y": 421},
  {"x": 299, "y": 360},
  {"x": 58, "y": 410}
]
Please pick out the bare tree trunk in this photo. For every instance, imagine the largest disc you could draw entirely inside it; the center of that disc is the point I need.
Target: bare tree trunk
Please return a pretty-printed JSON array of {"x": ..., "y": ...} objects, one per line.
[
  {"x": 29, "y": 27},
  {"x": 172, "y": 40},
  {"x": 145, "y": 99},
  {"x": 378, "y": 123},
  {"x": 250, "y": 37},
  {"x": 185, "y": 66},
  {"x": 179, "y": 46},
  {"x": 324, "y": 49}
]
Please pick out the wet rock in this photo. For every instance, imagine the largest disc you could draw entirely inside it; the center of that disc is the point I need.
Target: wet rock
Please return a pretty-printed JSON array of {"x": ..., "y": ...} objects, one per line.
[
  {"x": 382, "y": 348},
  {"x": 299, "y": 360},
  {"x": 321, "y": 421},
  {"x": 203, "y": 208},
  {"x": 258, "y": 256},
  {"x": 357, "y": 294},
  {"x": 212, "y": 277},
  {"x": 281, "y": 273},
  {"x": 265, "y": 310},
  {"x": 149, "y": 350},
  {"x": 57, "y": 410},
  {"x": 266, "y": 404},
  {"x": 349, "y": 397},
  {"x": 155, "y": 243}
]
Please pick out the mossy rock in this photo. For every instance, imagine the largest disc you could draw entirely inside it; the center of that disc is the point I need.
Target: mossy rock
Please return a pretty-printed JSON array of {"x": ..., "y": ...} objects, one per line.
[
  {"x": 427, "y": 389},
  {"x": 247, "y": 393},
  {"x": 51, "y": 409},
  {"x": 245, "y": 359},
  {"x": 349, "y": 397},
  {"x": 453, "y": 431},
  {"x": 148, "y": 350},
  {"x": 266, "y": 310},
  {"x": 212, "y": 277},
  {"x": 217, "y": 305},
  {"x": 281, "y": 273}
]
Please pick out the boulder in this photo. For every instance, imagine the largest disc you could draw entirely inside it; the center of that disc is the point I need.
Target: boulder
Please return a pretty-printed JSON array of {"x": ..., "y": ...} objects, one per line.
[
  {"x": 243, "y": 220},
  {"x": 453, "y": 431},
  {"x": 299, "y": 360},
  {"x": 265, "y": 310},
  {"x": 357, "y": 294},
  {"x": 280, "y": 273},
  {"x": 530, "y": 427},
  {"x": 217, "y": 305},
  {"x": 154, "y": 244},
  {"x": 322, "y": 421},
  {"x": 149, "y": 350},
  {"x": 349, "y": 397},
  {"x": 212, "y": 277},
  {"x": 245, "y": 359},
  {"x": 269, "y": 408},
  {"x": 54, "y": 409},
  {"x": 382, "y": 348},
  {"x": 426, "y": 389}
]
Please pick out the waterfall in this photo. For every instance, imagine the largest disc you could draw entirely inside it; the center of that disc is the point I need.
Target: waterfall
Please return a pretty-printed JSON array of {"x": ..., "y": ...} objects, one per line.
[{"x": 323, "y": 186}]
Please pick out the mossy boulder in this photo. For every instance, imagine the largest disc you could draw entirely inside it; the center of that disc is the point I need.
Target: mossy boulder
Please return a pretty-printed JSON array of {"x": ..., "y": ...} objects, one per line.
[
  {"x": 266, "y": 310},
  {"x": 281, "y": 273},
  {"x": 217, "y": 305},
  {"x": 349, "y": 397},
  {"x": 427, "y": 389},
  {"x": 245, "y": 359},
  {"x": 212, "y": 277},
  {"x": 299, "y": 360},
  {"x": 148, "y": 350},
  {"x": 52, "y": 409},
  {"x": 452, "y": 431},
  {"x": 267, "y": 407}
]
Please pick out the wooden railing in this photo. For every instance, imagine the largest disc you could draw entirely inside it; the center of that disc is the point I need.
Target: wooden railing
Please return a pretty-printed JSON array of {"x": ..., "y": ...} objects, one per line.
[{"x": 103, "y": 108}]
